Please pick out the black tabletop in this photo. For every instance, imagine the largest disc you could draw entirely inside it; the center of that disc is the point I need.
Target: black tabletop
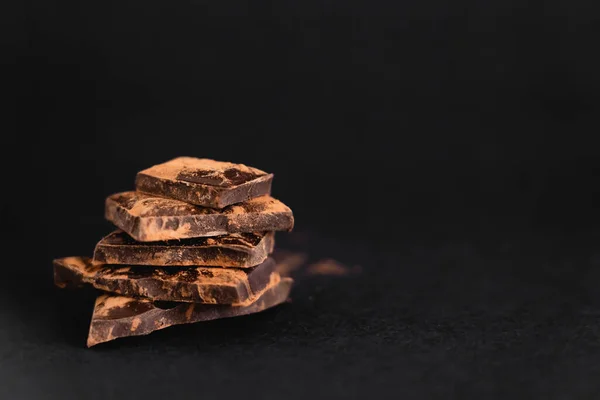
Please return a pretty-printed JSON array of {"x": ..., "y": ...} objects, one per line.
[{"x": 494, "y": 316}]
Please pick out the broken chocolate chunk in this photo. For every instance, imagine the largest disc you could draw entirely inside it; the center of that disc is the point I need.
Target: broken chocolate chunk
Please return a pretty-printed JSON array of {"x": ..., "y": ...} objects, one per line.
[
  {"x": 183, "y": 284},
  {"x": 237, "y": 250},
  {"x": 149, "y": 218},
  {"x": 204, "y": 182},
  {"x": 118, "y": 316}
]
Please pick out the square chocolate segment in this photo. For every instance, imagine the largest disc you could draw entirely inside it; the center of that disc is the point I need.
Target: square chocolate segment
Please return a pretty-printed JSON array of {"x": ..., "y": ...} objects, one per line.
[
  {"x": 119, "y": 316},
  {"x": 185, "y": 284},
  {"x": 149, "y": 218},
  {"x": 236, "y": 250},
  {"x": 204, "y": 182}
]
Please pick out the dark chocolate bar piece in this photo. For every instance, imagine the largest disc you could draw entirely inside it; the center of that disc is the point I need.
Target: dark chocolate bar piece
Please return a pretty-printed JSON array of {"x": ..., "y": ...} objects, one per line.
[
  {"x": 149, "y": 218},
  {"x": 117, "y": 316},
  {"x": 182, "y": 284},
  {"x": 204, "y": 182},
  {"x": 236, "y": 250}
]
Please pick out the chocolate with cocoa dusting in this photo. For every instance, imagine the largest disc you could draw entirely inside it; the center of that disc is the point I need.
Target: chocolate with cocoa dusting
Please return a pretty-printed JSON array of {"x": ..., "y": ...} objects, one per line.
[
  {"x": 204, "y": 182},
  {"x": 183, "y": 284},
  {"x": 236, "y": 250},
  {"x": 118, "y": 316},
  {"x": 149, "y": 218}
]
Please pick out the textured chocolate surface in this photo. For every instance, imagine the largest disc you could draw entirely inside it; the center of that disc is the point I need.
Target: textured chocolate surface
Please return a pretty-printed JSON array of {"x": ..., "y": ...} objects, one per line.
[
  {"x": 237, "y": 250},
  {"x": 150, "y": 218},
  {"x": 118, "y": 316},
  {"x": 204, "y": 182},
  {"x": 184, "y": 284}
]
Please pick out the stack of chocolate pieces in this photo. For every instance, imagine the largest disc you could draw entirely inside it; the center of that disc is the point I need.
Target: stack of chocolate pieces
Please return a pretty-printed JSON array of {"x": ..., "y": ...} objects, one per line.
[{"x": 193, "y": 245}]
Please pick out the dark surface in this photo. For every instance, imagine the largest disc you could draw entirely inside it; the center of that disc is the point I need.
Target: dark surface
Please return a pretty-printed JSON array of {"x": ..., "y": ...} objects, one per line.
[
  {"x": 459, "y": 135},
  {"x": 454, "y": 316}
]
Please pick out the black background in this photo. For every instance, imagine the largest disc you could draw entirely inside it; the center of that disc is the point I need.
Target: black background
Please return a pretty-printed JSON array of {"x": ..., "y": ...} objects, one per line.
[{"x": 448, "y": 148}]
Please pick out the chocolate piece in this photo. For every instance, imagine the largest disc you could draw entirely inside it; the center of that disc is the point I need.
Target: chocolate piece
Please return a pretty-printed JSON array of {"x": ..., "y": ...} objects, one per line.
[
  {"x": 237, "y": 250},
  {"x": 117, "y": 316},
  {"x": 149, "y": 218},
  {"x": 184, "y": 284},
  {"x": 204, "y": 182}
]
